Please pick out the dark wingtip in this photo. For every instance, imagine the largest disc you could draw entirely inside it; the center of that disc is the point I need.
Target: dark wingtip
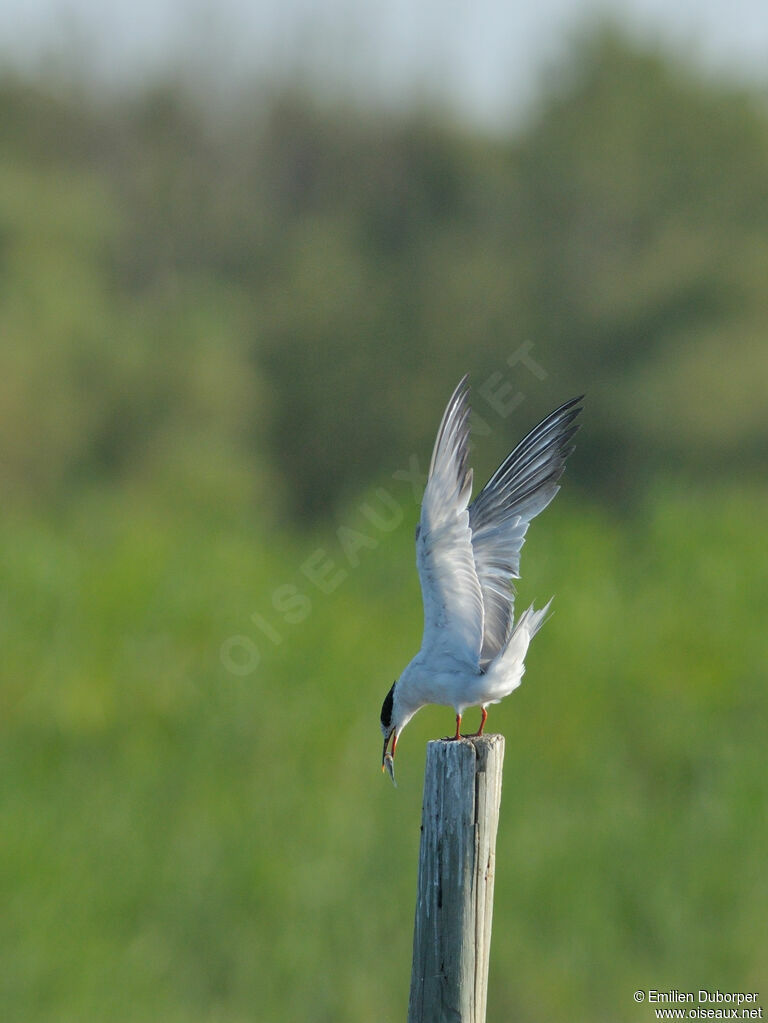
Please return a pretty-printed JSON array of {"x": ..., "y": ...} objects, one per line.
[
  {"x": 460, "y": 390},
  {"x": 566, "y": 406}
]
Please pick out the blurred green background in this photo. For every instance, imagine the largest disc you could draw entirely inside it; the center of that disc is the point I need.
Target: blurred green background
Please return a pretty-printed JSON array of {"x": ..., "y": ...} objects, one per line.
[{"x": 226, "y": 331}]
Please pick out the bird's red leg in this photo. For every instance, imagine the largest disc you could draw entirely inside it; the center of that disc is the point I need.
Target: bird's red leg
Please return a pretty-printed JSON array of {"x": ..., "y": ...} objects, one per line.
[
  {"x": 458, "y": 727},
  {"x": 474, "y": 735}
]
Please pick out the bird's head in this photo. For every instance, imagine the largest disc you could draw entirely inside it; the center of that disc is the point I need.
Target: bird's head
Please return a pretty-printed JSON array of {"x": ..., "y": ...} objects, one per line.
[{"x": 395, "y": 715}]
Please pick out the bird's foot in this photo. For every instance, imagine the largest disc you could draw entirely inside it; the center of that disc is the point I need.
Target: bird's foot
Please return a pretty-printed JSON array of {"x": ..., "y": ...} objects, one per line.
[
  {"x": 453, "y": 738},
  {"x": 479, "y": 732}
]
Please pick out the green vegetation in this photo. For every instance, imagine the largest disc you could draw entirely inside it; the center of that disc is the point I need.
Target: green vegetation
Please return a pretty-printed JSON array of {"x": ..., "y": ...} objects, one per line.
[
  {"x": 273, "y": 299},
  {"x": 220, "y": 332},
  {"x": 184, "y": 843}
]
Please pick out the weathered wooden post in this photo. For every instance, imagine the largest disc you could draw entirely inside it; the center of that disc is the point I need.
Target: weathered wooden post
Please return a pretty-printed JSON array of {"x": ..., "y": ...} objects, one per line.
[{"x": 454, "y": 910}]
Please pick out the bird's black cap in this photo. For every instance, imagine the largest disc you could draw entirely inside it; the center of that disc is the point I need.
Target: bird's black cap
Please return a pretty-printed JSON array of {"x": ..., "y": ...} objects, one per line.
[{"x": 386, "y": 707}]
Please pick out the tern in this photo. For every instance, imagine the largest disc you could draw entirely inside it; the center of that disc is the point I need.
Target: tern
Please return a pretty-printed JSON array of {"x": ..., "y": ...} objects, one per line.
[{"x": 472, "y": 650}]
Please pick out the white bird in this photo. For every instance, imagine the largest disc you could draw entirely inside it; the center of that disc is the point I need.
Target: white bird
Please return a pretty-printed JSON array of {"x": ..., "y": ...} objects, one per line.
[{"x": 472, "y": 651}]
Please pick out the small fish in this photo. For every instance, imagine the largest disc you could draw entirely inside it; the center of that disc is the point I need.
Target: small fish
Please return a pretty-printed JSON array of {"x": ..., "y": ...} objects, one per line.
[{"x": 389, "y": 765}]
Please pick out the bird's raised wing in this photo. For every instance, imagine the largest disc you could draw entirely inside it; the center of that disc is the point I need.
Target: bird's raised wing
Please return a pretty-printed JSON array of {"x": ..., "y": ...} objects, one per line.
[
  {"x": 499, "y": 517},
  {"x": 453, "y": 603}
]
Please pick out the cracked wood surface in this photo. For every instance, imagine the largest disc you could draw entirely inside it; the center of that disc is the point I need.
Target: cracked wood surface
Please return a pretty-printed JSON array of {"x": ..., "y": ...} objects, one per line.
[{"x": 454, "y": 908}]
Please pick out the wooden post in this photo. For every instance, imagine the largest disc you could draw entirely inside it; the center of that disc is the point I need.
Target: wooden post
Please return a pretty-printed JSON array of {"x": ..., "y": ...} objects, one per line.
[{"x": 452, "y": 932}]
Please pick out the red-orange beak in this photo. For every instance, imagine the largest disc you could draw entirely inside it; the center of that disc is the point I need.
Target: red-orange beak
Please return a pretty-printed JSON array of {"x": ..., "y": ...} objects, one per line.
[
  {"x": 388, "y": 758},
  {"x": 393, "y": 736}
]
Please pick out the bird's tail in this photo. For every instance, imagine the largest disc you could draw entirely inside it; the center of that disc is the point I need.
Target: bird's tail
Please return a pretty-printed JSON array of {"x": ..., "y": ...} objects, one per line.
[
  {"x": 507, "y": 670},
  {"x": 530, "y": 621}
]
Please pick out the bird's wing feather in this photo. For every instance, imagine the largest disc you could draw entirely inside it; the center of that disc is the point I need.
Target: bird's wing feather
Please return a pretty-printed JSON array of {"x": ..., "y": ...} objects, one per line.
[
  {"x": 453, "y": 603},
  {"x": 499, "y": 517}
]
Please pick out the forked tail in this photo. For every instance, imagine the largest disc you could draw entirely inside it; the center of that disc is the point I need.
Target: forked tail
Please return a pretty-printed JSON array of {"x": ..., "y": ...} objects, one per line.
[
  {"x": 530, "y": 621},
  {"x": 507, "y": 670}
]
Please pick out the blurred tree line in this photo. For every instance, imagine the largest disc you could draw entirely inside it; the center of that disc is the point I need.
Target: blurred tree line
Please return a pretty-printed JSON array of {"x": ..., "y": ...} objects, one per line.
[{"x": 271, "y": 302}]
